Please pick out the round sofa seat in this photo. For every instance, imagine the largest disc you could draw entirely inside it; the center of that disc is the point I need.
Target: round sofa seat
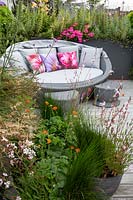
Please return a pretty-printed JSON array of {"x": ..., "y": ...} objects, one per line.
[{"x": 68, "y": 79}]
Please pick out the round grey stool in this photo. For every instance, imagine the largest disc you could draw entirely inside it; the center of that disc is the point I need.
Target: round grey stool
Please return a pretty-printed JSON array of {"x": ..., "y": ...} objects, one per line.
[{"x": 106, "y": 94}]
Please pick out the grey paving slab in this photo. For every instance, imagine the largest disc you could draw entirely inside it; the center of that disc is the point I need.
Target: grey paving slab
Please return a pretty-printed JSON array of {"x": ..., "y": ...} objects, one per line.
[
  {"x": 130, "y": 168},
  {"x": 127, "y": 178},
  {"x": 124, "y": 191}
]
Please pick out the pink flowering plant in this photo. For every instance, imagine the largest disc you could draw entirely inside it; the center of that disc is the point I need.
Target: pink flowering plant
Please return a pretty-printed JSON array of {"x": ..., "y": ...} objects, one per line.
[
  {"x": 118, "y": 126},
  {"x": 72, "y": 33}
]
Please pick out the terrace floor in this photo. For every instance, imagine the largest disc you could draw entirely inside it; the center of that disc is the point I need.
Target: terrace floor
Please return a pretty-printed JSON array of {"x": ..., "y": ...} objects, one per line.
[{"x": 125, "y": 189}]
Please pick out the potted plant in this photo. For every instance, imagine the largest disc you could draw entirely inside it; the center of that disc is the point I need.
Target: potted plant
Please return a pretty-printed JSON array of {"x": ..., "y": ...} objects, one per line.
[{"x": 114, "y": 141}]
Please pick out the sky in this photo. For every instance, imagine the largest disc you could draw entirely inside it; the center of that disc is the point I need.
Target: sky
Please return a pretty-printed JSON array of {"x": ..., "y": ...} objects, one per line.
[
  {"x": 124, "y": 4},
  {"x": 128, "y": 4}
]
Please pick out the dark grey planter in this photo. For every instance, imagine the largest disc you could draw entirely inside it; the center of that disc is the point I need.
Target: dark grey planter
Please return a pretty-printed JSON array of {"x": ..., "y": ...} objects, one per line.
[
  {"x": 121, "y": 57},
  {"x": 108, "y": 185}
]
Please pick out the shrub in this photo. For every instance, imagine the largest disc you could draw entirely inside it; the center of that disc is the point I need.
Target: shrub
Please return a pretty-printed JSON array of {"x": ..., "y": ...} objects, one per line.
[
  {"x": 113, "y": 27},
  {"x": 87, "y": 134},
  {"x": 130, "y": 17},
  {"x": 79, "y": 182},
  {"x": 6, "y": 18}
]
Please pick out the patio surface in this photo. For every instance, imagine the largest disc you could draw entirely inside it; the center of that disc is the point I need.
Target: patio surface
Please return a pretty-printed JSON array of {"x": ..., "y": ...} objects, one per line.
[{"x": 125, "y": 189}]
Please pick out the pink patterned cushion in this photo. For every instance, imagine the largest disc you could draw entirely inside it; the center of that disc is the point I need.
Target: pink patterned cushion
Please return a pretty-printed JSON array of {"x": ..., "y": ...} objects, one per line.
[
  {"x": 36, "y": 63},
  {"x": 68, "y": 60},
  {"x": 51, "y": 62}
]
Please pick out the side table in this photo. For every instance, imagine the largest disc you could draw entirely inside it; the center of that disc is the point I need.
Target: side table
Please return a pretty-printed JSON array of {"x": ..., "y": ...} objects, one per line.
[{"x": 107, "y": 94}]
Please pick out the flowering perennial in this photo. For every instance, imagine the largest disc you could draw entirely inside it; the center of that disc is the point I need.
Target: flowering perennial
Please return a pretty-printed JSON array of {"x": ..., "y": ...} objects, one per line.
[
  {"x": 40, "y": 4},
  {"x": 73, "y": 34}
]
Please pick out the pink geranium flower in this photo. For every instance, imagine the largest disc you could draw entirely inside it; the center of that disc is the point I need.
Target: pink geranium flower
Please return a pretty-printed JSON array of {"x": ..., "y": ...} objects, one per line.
[
  {"x": 75, "y": 24},
  {"x": 91, "y": 34},
  {"x": 70, "y": 29},
  {"x": 77, "y": 35},
  {"x": 86, "y": 30},
  {"x": 86, "y": 26}
]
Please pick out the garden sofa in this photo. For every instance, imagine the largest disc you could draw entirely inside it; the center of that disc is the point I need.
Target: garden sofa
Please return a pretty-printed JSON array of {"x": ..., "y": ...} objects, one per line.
[{"x": 94, "y": 64}]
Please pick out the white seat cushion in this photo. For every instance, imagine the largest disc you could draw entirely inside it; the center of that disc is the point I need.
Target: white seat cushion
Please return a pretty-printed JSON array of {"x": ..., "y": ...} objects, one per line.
[{"x": 69, "y": 75}]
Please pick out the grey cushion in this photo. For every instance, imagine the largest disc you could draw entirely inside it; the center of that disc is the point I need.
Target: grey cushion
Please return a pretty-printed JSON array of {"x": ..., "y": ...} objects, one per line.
[
  {"x": 90, "y": 57},
  {"x": 26, "y": 52},
  {"x": 46, "y": 50},
  {"x": 15, "y": 62},
  {"x": 69, "y": 49}
]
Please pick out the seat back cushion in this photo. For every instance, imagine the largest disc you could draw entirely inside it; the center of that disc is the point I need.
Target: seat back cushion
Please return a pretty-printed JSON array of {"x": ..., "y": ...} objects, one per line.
[
  {"x": 25, "y": 53},
  {"x": 69, "y": 49},
  {"x": 68, "y": 60},
  {"x": 46, "y": 50},
  {"x": 90, "y": 57},
  {"x": 51, "y": 62},
  {"x": 36, "y": 63},
  {"x": 15, "y": 62}
]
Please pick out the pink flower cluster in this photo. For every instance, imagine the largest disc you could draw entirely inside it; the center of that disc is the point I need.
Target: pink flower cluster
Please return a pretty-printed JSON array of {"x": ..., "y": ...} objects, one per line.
[{"x": 73, "y": 34}]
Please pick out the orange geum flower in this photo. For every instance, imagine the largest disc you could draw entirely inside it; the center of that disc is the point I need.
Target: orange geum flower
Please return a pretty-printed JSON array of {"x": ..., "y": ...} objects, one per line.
[
  {"x": 74, "y": 113},
  {"x": 77, "y": 150},
  {"x": 27, "y": 110},
  {"x": 27, "y": 101},
  {"x": 72, "y": 147},
  {"x": 54, "y": 108},
  {"x": 49, "y": 141},
  {"x": 45, "y": 132},
  {"x": 46, "y": 103}
]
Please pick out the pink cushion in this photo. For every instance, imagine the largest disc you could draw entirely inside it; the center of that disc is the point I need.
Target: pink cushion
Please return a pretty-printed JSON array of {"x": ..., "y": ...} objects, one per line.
[
  {"x": 36, "y": 63},
  {"x": 51, "y": 62},
  {"x": 68, "y": 60}
]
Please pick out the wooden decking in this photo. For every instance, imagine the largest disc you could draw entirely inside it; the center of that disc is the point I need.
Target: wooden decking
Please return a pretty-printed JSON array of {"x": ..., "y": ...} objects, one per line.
[{"x": 125, "y": 190}]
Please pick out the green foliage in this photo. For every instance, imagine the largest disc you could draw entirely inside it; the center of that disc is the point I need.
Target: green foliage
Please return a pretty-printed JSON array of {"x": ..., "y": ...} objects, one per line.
[
  {"x": 87, "y": 134},
  {"x": 32, "y": 23},
  {"x": 59, "y": 172},
  {"x": 131, "y": 73},
  {"x": 13, "y": 90},
  {"x": 130, "y": 17},
  {"x": 6, "y": 17},
  {"x": 80, "y": 178},
  {"x": 113, "y": 27},
  {"x": 50, "y": 108},
  {"x": 93, "y": 2},
  {"x": 7, "y": 32},
  {"x": 46, "y": 177}
]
